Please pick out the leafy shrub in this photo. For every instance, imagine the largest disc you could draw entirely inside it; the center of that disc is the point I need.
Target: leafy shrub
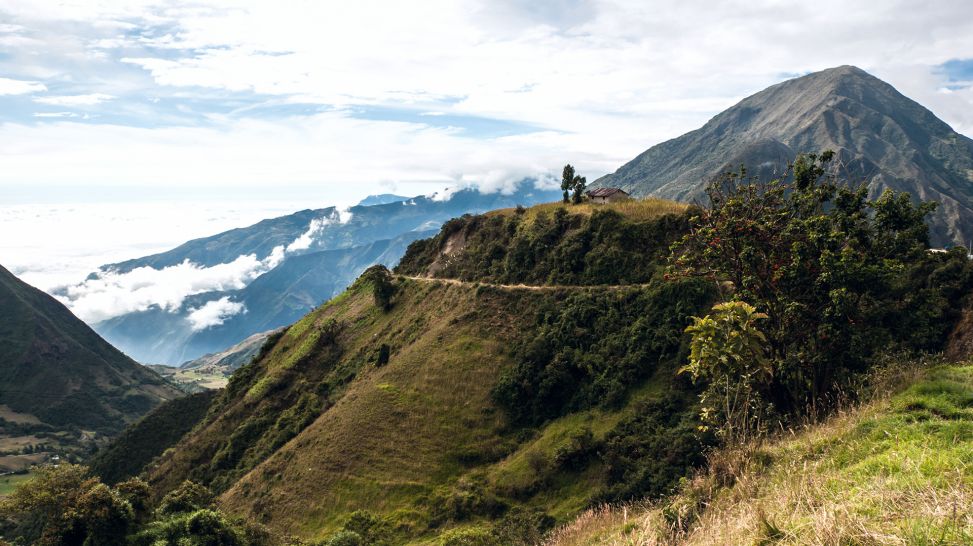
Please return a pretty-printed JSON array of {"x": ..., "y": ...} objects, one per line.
[
  {"x": 188, "y": 497},
  {"x": 383, "y": 355},
  {"x": 197, "y": 528},
  {"x": 372, "y": 529},
  {"x": 591, "y": 348},
  {"x": 465, "y": 501},
  {"x": 727, "y": 351},
  {"x": 840, "y": 277},
  {"x": 523, "y": 527},
  {"x": 343, "y": 538},
  {"x": 646, "y": 454},
  {"x": 563, "y": 248},
  {"x": 475, "y": 536},
  {"x": 380, "y": 279},
  {"x": 574, "y": 455}
]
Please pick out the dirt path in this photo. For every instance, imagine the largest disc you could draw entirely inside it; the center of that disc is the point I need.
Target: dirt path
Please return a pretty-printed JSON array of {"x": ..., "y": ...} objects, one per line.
[{"x": 525, "y": 286}]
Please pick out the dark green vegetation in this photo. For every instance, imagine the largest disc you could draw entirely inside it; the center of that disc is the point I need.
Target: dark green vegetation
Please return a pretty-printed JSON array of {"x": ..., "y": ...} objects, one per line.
[
  {"x": 881, "y": 137},
  {"x": 840, "y": 278},
  {"x": 551, "y": 245},
  {"x": 587, "y": 349},
  {"x": 58, "y": 378},
  {"x": 65, "y": 505},
  {"x": 145, "y": 440}
]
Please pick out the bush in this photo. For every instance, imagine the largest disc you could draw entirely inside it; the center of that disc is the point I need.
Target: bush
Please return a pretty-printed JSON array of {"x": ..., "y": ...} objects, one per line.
[
  {"x": 343, "y": 538},
  {"x": 383, "y": 355},
  {"x": 468, "y": 499},
  {"x": 727, "y": 352},
  {"x": 590, "y": 348},
  {"x": 188, "y": 497},
  {"x": 196, "y": 528},
  {"x": 382, "y": 288},
  {"x": 575, "y": 454},
  {"x": 475, "y": 536},
  {"x": 372, "y": 529},
  {"x": 645, "y": 455},
  {"x": 840, "y": 277}
]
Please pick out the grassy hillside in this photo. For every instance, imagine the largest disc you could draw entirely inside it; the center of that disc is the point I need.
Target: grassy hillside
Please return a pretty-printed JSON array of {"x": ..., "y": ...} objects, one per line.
[
  {"x": 323, "y": 432},
  {"x": 522, "y": 367},
  {"x": 146, "y": 439},
  {"x": 894, "y": 471},
  {"x": 588, "y": 244},
  {"x": 56, "y": 368},
  {"x": 62, "y": 388}
]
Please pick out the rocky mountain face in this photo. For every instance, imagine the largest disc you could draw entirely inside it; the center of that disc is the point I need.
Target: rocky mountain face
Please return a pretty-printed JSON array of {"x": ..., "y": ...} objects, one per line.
[
  {"x": 882, "y": 138},
  {"x": 301, "y": 260},
  {"x": 58, "y": 374}
]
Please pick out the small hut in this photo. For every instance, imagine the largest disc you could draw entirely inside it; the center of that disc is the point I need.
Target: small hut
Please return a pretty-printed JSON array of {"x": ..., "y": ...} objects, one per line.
[{"x": 607, "y": 195}]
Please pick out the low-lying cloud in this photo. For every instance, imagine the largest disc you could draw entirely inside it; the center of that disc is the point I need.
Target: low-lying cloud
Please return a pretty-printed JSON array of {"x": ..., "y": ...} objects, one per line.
[
  {"x": 214, "y": 313},
  {"x": 109, "y": 293},
  {"x": 317, "y": 225}
]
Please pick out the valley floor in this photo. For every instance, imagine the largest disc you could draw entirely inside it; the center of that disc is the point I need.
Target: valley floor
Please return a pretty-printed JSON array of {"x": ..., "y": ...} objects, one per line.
[{"x": 898, "y": 470}]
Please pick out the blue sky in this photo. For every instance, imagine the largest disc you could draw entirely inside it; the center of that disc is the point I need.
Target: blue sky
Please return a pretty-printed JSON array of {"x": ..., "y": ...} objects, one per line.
[{"x": 345, "y": 99}]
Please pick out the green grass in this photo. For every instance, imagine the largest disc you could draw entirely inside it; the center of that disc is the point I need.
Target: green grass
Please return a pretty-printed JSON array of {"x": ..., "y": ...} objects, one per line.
[
  {"x": 9, "y": 483},
  {"x": 898, "y": 470},
  {"x": 401, "y": 441},
  {"x": 638, "y": 210}
]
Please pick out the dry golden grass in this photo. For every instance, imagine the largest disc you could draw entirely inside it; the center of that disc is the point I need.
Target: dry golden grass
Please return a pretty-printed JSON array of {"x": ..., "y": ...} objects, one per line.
[
  {"x": 636, "y": 209},
  {"x": 12, "y": 416},
  {"x": 896, "y": 471},
  {"x": 390, "y": 439}
]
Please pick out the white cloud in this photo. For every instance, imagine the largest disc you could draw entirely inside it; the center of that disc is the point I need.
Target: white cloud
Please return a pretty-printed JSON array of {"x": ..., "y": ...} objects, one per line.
[
  {"x": 55, "y": 115},
  {"x": 90, "y": 99},
  {"x": 110, "y": 294},
  {"x": 20, "y": 87},
  {"x": 314, "y": 229},
  {"x": 214, "y": 313},
  {"x": 444, "y": 194},
  {"x": 601, "y": 80}
]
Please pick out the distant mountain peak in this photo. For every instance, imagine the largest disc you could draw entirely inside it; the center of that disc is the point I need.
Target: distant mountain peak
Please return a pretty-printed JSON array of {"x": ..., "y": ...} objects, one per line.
[
  {"x": 382, "y": 199},
  {"x": 882, "y": 138}
]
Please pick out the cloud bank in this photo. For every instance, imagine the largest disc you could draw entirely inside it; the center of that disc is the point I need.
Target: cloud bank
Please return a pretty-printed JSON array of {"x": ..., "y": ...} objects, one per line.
[
  {"x": 214, "y": 313},
  {"x": 238, "y": 93},
  {"x": 109, "y": 294}
]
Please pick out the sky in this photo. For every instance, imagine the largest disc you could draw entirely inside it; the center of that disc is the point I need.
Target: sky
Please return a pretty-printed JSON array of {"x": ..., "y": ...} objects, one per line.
[{"x": 181, "y": 119}]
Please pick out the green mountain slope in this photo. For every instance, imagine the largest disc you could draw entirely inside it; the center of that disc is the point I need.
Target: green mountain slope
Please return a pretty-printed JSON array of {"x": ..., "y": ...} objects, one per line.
[
  {"x": 55, "y": 368},
  {"x": 895, "y": 471},
  {"x": 881, "y": 137},
  {"x": 148, "y": 437},
  {"x": 421, "y": 415}
]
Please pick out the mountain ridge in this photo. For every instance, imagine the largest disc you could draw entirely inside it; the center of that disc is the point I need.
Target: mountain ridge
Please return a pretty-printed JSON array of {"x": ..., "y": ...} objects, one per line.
[
  {"x": 297, "y": 262},
  {"x": 62, "y": 387},
  {"x": 880, "y": 136}
]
